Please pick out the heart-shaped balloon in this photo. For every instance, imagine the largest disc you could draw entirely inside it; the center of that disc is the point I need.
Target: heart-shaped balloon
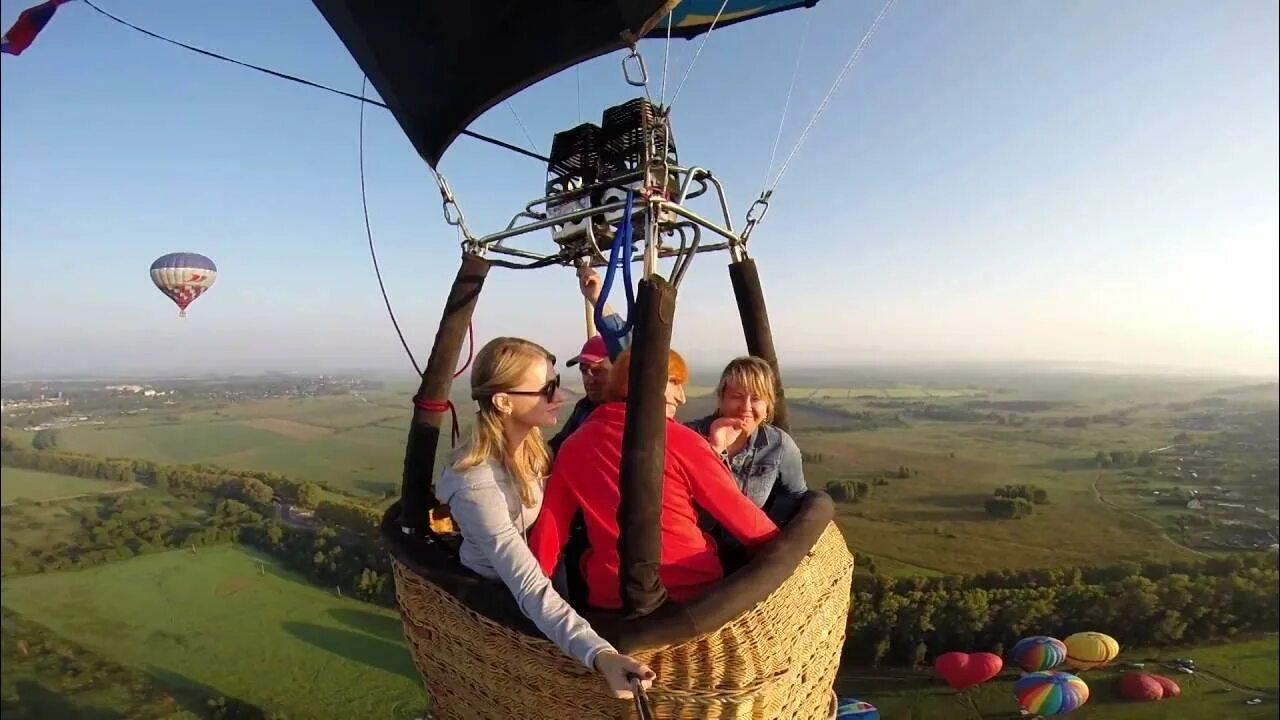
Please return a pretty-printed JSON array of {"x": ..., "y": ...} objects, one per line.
[{"x": 965, "y": 670}]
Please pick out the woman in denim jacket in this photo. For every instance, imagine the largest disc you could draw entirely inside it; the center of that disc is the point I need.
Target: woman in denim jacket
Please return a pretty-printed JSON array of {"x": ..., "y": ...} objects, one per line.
[{"x": 764, "y": 459}]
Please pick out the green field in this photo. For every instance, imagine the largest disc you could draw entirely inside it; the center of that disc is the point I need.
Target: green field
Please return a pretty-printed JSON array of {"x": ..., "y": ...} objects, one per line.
[
  {"x": 910, "y": 695},
  {"x": 211, "y": 620},
  {"x": 935, "y": 519},
  {"x": 18, "y": 484},
  {"x": 349, "y": 442}
]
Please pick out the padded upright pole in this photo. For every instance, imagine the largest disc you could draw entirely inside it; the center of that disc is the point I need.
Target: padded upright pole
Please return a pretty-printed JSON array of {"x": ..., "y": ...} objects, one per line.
[
  {"x": 755, "y": 325},
  {"x": 644, "y": 442},
  {"x": 417, "y": 488}
]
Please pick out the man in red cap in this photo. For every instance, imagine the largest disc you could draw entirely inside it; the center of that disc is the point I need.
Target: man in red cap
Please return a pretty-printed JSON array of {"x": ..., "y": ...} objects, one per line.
[{"x": 594, "y": 360}]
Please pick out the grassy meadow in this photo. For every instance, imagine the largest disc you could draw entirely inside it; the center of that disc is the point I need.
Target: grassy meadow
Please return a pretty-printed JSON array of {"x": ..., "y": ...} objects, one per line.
[
  {"x": 229, "y": 619},
  {"x": 354, "y": 443},
  {"x": 935, "y": 518},
  {"x": 20, "y": 484}
]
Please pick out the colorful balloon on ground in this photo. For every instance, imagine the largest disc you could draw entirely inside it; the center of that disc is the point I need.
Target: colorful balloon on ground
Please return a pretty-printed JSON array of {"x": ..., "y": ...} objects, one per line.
[
  {"x": 1038, "y": 652},
  {"x": 183, "y": 277},
  {"x": 1169, "y": 688},
  {"x": 1050, "y": 692},
  {"x": 1088, "y": 650},
  {"x": 850, "y": 709},
  {"x": 1140, "y": 687},
  {"x": 964, "y": 670}
]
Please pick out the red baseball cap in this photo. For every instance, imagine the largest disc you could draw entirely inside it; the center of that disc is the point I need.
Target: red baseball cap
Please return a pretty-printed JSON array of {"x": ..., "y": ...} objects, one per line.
[{"x": 593, "y": 351}]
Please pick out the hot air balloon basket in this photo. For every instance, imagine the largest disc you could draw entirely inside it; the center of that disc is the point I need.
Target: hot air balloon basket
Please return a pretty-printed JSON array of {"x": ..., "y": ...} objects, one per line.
[{"x": 777, "y": 660}]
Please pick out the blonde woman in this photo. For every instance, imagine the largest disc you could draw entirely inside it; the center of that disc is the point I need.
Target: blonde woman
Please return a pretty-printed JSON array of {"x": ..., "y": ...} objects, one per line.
[
  {"x": 764, "y": 459},
  {"x": 494, "y": 490}
]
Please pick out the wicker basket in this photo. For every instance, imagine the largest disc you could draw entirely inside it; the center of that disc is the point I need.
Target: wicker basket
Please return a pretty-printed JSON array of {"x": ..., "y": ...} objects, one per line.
[{"x": 776, "y": 661}]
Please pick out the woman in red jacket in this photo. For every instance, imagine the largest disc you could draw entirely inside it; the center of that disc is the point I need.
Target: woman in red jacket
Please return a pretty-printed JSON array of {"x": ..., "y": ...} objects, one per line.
[{"x": 585, "y": 477}]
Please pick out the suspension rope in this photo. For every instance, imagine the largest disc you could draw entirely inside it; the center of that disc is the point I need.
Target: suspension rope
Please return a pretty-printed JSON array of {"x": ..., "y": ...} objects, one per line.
[
  {"x": 418, "y": 402},
  {"x": 301, "y": 81},
  {"x": 523, "y": 129},
  {"x": 786, "y": 104},
  {"x": 698, "y": 52},
  {"x": 853, "y": 58},
  {"x": 666, "y": 58},
  {"x": 368, "y": 231}
]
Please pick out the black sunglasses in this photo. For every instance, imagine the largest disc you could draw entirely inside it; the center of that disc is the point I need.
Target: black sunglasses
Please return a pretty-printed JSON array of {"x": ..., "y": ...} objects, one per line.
[{"x": 547, "y": 391}]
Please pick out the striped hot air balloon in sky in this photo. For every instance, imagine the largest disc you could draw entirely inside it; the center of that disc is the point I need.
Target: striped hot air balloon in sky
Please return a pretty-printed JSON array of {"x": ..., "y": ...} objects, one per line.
[{"x": 183, "y": 276}]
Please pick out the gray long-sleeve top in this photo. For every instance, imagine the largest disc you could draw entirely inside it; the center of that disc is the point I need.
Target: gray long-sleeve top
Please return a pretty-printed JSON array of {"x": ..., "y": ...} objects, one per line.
[{"x": 486, "y": 506}]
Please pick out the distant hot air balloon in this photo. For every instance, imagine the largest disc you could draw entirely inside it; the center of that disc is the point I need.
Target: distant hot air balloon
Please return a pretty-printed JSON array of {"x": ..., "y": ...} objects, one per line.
[
  {"x": 963, "y": 670},
  {"x": 1050, "y": 692},
  {"x": 1038, "y": 652},
  {"x": 1088, "y": 650},
  {"x": 183, "y": 277},
  {"x": 1140, "y": 687}
]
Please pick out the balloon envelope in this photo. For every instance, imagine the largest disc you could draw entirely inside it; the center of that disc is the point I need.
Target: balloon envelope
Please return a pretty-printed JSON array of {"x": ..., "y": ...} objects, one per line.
[
  {"x": 183, "y": 277},
  {"x": 446, "y": 63},
  {"x": 1087, "y": 650},
  {"x": 1050, "y": 692},
  {"x": 1140, "y": 687},
  {"x": 964, "y": 670},
  {"x": 1038, "y": 652},
  {"x": 850, "y": 709},
  {"x": 1168, "y": 688}
]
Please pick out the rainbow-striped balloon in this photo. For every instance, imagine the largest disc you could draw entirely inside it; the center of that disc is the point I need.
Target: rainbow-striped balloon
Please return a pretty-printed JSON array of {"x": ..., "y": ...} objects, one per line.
[
  {"x": 1050, "y": 692},
  {"x": 1039, "y": 652}
]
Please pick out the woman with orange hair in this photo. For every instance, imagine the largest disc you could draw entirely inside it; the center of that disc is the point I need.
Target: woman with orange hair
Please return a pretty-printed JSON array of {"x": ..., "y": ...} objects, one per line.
[{"x": 585, "y": 478}]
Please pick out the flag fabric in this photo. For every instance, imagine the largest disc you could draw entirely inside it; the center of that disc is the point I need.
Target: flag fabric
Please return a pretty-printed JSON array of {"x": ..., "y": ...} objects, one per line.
[{"x": 29, "y": 24}]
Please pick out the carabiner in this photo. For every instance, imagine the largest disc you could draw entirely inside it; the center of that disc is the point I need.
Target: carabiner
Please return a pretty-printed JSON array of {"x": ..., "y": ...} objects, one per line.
[{"x": 626, "y": 69}]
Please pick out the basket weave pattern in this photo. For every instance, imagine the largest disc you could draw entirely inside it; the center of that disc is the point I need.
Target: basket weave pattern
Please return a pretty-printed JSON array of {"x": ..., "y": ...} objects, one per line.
[{"x": 776, "y": 661}]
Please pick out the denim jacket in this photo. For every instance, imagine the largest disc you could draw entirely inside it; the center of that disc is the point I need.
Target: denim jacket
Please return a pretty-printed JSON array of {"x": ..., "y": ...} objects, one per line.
[{"x": 769, "y": 469}]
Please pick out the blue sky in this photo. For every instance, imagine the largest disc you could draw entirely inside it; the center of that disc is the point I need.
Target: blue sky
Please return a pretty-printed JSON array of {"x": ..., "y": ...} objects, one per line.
[{"x": 1085, "y": 181}]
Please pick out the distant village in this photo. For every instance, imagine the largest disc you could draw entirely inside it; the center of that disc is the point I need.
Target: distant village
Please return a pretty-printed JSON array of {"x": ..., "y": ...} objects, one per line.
[
  {"x": 1232, "y": 506},
  {"x": 54, "y": 405}
]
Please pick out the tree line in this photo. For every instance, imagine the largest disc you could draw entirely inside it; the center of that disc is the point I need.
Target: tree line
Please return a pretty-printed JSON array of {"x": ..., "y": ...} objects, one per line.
[
  {"x": 911, "y": 620},
  {"x": 199, "y": 478}
]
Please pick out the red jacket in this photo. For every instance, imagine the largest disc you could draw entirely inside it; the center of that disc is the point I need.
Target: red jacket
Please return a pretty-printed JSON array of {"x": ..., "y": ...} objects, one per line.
[{"x": 585, "y": 477}]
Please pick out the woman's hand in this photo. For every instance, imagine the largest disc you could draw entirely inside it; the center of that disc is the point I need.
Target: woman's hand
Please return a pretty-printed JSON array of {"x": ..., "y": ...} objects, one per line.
[
  {"x": 723, "y": 433},
  {"x": 619, "y": 669}
]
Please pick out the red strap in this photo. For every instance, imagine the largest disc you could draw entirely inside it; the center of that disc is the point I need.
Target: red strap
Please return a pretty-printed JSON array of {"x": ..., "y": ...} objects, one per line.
[
  {"x": 439, "y": 407},
  {"x": 447, "y": 405}
]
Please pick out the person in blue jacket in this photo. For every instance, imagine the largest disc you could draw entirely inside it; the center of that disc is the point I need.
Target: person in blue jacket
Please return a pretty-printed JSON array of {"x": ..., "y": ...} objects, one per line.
[{"x": 764, "y": 459}]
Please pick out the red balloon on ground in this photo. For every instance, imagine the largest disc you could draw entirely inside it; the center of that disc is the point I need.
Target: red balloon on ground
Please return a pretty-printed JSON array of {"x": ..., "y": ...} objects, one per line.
[
  {"x": 1170, "y": 688},
  {"x": 964, "y": 670},
  {"x": 1141, "y": 687}
]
